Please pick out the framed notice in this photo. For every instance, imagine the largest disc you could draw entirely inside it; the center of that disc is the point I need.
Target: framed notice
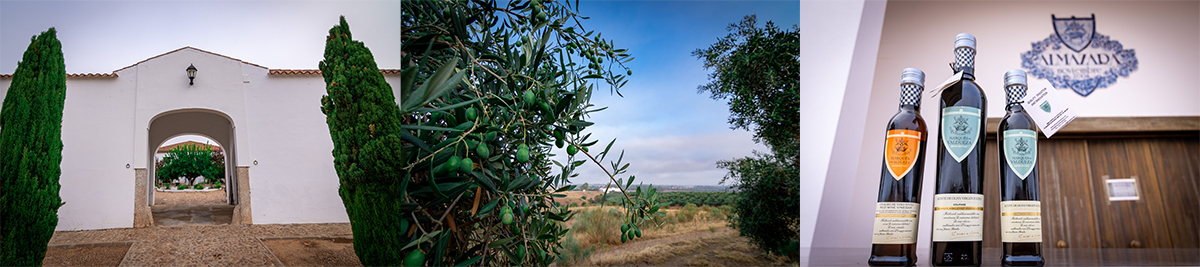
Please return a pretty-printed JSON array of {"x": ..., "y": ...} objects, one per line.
[{"x": 1121, "y": 189}]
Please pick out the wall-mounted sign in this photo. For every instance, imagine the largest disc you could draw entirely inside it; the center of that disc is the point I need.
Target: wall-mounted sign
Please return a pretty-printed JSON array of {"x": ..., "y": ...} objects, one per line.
[
  {"x": 1124, "y": 189},
  {"x": 1076, "y": 56}
]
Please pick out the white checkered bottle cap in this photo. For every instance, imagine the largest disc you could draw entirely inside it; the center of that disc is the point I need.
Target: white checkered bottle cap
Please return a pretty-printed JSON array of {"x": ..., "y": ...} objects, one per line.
[
  {"x": 964, "y": 51},
  {"x": 1014, "y": 85},
  {"x": 912, "y": 81}
]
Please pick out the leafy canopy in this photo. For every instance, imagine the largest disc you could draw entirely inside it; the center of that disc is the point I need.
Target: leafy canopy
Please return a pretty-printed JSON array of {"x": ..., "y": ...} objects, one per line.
[
  {"x": 490, "y": 93},
  {"x": 190, "y": 161},
  {"x": 757, "y": 70}
]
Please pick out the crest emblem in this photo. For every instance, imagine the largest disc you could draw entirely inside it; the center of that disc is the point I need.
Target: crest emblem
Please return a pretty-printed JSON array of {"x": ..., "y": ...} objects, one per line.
[
  {"x": 960, "y": 125},
  {"x": 1075, "y": 56},
  {"x": 1075, "y": 33},
  {"x": 1022, "y": 146},
  {"x": 1045, "y": 106}
]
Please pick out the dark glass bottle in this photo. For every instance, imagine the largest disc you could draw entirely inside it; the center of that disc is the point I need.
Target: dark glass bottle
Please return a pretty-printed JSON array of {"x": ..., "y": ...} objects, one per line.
[
  {"x": 894, "y": 240},
  {"x": 1020, "y": 200},
  {"x": 957, "y": 234}
]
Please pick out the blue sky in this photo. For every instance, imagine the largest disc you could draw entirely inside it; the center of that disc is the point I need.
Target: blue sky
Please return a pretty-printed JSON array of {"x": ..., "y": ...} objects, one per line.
[
  {"x": 670, "y": 133},
  {"x": 103, "y": 36}
]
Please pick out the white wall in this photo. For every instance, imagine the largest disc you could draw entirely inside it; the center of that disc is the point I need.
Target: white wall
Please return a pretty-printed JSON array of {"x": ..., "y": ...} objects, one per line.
[
  {"x": 832, "y": 71},
  {"x": 276, "y": 121},
  {"x": 1165, "y": 36},
  {"x": 294, "y": 180}
]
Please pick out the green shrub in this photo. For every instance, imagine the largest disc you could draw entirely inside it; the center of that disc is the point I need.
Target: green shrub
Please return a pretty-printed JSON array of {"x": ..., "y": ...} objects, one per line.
[
  {"x": 31, "y": 142},
  {"x": 198, "y": 187},
  {"x": 181, "y": 187}
]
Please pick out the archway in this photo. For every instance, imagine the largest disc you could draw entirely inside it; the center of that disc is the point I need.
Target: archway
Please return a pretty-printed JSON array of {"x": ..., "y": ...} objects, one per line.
[{"x": 212, "y": 124}]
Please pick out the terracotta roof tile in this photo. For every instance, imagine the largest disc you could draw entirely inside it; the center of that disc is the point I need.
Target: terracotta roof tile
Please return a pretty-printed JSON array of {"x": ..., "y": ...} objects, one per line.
[
  {"x": 74, "y": 75},
  {"x": 166, "y": 148}
]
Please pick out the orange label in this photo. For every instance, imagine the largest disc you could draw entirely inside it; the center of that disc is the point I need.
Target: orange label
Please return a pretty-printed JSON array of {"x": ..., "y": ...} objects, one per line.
[{"x": 901, "y": 152}]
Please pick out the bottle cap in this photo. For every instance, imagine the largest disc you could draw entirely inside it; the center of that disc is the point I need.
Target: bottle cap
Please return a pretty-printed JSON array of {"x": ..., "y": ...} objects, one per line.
[
  {"x": 912, "y": 75},
  {"x": 1014, "y": 86},
  {"x": 1015, "y": 76},
  {"x": 912, "y": 81},
  {"x": 964, "y": 40}
]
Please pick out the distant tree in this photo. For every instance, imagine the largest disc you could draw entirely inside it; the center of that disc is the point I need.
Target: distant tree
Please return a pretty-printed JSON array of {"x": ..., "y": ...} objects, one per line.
[
  {"x": 188, "y": 161},
  {"x": 30, "y": 152},
  {"x": 218, "y": 162},
  {"x": 585, "y": 187},
  {"x": 758, "y": 71}
]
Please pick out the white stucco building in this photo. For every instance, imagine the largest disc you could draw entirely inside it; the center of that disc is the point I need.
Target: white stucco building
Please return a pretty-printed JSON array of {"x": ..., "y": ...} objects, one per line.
[{"x": 268, "y": 122}]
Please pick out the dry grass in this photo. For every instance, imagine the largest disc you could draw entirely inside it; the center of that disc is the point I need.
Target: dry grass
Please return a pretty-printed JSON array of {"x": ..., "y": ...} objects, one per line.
[
  {"x": 652, "y": 255},
  {"x": 575, "y": 197},
  {"x": 701, "y": 260},
  {"x": 661, "y": 253},
  {"x": 744, "y": 247},
  {"x": 737, "y": 256}
]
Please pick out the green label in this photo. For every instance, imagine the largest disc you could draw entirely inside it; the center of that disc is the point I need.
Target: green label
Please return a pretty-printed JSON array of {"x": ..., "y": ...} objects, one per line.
[
  {"x": 1020, "y": 151},
  {"x": 960, "y": 130},
  {"x": 1046, "y": 106}
]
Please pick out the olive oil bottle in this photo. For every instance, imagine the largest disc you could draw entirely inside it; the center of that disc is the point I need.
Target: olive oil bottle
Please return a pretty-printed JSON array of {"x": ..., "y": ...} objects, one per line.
[
  {"x": 957, "y": 234},
  {"x": 1020, "y": 200},
  {"x": 894, "y": 240}
]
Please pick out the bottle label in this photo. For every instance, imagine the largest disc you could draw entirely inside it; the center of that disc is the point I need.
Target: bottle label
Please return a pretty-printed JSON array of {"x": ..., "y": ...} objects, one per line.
[
  {"x": 896, "y": 223},
  {"x": 1020, "y": 151},
  {"x": 901, "y": 152},
  {"x": 960, "y": 130},
  {"x": 1021, "y": 221},
  {"x": 957, "y": 217}
]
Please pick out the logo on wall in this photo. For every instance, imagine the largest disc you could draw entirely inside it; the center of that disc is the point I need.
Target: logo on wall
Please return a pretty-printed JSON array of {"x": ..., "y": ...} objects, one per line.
[{"x": 1076, "y": 56}]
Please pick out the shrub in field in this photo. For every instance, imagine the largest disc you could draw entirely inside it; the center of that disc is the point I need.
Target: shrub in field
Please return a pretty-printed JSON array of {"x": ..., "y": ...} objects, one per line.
[{"x": 31, "y": 151}]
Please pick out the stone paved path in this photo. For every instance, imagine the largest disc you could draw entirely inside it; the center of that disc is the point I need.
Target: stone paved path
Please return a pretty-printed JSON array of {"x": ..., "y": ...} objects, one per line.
[{"x": 200, "y": 245}]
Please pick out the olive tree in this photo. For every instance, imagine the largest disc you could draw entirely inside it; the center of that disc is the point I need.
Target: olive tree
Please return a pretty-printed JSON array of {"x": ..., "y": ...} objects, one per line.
[
  {"x": 758, "y": 70},
  {"x": 489, "y": 94},
  {"x": 189, "y": 161},
  {"x": 31, "y": 151}
]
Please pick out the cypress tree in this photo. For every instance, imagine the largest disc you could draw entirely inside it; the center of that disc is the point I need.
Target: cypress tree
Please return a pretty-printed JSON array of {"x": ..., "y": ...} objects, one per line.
[
  {"x": 30, "y": 152},
  {"x": 364, "y": 122}
]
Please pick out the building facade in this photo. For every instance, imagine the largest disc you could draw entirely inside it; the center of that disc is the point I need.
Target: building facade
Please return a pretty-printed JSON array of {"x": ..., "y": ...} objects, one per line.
[{"x": 269, "y": 123}]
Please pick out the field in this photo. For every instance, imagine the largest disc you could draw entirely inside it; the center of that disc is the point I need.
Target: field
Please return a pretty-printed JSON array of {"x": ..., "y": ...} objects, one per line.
[
  {"x": 688, "y": 236},
  {"x": 575, "y": 197}
]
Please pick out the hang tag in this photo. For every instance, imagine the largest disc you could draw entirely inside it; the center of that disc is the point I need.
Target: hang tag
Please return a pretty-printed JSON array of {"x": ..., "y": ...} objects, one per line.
[
  {"x": 935, "y": 91},
  {"x": 1047, "y": 109}
]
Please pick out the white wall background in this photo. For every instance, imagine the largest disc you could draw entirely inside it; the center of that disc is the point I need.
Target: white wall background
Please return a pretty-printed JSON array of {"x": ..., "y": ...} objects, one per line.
[
  {"x": 277, "y": 122},
  {"x": 828, "y": 30},
  {"x": 1165, "y": 36}
]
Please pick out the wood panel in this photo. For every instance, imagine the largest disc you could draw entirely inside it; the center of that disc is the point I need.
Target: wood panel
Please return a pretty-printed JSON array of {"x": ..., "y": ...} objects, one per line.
[
  {"x": 1067, "y": 213},
  {"x": 1178, "y": 163},
  {"x": 991, "y": 195},
  {"x": 1122, "y": 223}
]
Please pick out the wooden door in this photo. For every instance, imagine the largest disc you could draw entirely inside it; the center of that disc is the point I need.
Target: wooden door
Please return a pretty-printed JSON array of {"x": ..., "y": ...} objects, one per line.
[{"x": 1075, "y": 205}]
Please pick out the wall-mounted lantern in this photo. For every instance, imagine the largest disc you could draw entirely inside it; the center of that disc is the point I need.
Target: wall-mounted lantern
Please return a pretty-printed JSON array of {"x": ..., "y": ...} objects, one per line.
[{"x": 191, "y": 70}]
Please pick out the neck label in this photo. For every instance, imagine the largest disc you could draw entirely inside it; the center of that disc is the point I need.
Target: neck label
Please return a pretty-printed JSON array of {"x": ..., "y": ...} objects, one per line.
[
  {"x": 1046, "y": 108},
  {"x": 1020, "y": 151},
  {"x": 960, "y": 130},
  {"x": 937, "y": 90}
]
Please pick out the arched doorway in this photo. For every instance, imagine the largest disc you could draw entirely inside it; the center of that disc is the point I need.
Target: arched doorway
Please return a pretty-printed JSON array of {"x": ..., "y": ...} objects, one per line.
[{"x": 212, "y": 124}]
